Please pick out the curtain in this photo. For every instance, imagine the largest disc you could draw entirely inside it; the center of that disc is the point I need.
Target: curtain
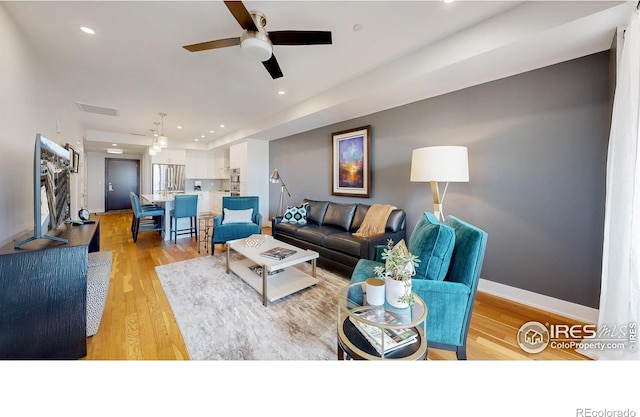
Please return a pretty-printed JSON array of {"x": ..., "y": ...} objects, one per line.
[{"x": 620, "y": 288}]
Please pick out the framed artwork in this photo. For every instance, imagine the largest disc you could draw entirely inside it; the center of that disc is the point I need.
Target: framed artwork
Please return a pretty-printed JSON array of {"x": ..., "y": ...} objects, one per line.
[
  {"x": 74, "y": 157},
  {"x": 351, "y": 162}
]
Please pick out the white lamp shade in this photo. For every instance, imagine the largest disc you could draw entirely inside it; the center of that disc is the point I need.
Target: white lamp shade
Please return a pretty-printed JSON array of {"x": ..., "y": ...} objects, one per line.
[
  {"x": 163, "y": 141},
  {"x": 440, "y": 163},
  {"x": 151, "y": 151}
]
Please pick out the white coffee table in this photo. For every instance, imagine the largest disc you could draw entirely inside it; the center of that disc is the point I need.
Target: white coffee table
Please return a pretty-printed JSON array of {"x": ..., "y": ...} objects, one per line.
[{"x": 272, "y": 287}]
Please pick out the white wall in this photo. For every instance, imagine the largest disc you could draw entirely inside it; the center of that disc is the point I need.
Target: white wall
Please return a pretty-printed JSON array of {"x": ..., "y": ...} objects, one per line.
[{"x": 29, "y": 104}]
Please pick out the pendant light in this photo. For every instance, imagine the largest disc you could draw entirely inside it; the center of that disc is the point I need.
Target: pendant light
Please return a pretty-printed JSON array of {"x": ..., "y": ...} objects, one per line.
[
  {"x": 162, "y": 139},
  {"x": 154, "y": 148}
]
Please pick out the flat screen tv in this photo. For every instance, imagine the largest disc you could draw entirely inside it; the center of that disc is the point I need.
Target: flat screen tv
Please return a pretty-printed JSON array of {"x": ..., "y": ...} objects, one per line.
[{"x": 51, "y": 191}]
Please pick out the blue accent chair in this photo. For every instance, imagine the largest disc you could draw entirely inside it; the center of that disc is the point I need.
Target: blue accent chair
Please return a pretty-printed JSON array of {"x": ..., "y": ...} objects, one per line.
[
  {"x": 185, "y": 206},
  {"x": 446, "y": 283},
  {"x": 145, "y": 218},
  {"x": 224, "y": 231}
]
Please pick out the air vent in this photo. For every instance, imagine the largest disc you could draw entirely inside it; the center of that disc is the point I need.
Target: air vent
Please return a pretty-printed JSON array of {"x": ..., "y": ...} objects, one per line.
[
  {"x": 91, "y": 108},
  {"x": 137, "y": 134}
]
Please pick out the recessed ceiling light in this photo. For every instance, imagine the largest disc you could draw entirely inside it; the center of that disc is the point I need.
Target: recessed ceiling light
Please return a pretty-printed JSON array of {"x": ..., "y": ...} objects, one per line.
[
  {"x": 88, "y": 30},
  {"x": 179, "y": 127},
  {"x": 282, "y": 93},
  {"x": 221, "y": 125},
  {"x": 212, "y": 131},
  {"x": 114, "y": 144},
  {"x": 203, "y": 136},
  {"x": 196, "y": 139}
]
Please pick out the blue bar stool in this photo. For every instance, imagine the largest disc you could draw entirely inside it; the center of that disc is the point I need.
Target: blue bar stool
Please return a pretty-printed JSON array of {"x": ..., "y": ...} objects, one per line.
[
  {"x": 151, "y": 218},
  {"x": 185, "y": 206}
]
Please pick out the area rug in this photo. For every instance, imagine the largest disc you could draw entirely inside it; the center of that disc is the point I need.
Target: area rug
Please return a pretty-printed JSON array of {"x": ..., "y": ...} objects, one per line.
[{"x": 221, "y": 317}]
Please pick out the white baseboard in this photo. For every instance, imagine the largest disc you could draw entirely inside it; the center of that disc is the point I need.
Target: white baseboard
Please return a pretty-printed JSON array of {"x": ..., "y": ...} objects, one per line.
[{"x": 542, "y": 302}]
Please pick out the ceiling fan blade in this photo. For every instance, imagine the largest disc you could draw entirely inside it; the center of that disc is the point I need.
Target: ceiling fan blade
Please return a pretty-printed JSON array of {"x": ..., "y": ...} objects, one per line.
[
  {"x": 220, "y": 43},
  {"x": 272, "y": 66},
  {"x": 300, "y": 37},
  {"x": 242, "y": 15}
]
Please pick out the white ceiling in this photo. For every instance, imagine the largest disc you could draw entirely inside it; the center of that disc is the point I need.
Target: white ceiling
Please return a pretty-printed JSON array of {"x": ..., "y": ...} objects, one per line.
[{"x": 405, "y": 51}]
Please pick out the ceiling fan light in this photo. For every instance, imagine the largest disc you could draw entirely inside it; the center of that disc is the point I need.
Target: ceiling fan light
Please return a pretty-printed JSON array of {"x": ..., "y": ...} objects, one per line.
[
  {"x": 163, "y": 141},
  {"x": 256, "y": 49}
]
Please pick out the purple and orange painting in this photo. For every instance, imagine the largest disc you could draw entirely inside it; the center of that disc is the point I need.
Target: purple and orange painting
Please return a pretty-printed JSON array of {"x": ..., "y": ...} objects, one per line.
[{"x": 351, "y": 162}]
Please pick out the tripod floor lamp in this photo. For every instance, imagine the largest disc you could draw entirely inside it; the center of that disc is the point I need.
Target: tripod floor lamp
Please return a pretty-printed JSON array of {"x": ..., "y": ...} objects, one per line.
[
  {"x": 440, "y": 164},
  {"x": 276, "y": 178}
]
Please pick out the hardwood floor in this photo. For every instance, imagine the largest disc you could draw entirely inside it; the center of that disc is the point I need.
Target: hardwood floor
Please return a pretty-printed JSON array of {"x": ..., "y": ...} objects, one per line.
[{"x": 138, "y": 322}]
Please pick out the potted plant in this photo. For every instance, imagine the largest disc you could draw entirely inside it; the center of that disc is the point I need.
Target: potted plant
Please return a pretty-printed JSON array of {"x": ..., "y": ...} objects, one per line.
[{"x": 400, "y": 266}]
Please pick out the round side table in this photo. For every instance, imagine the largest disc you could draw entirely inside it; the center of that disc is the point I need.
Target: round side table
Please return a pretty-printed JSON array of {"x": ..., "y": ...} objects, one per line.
[
  {"x": 205, "y": 226},
  {"x": 377, "y": 332}
]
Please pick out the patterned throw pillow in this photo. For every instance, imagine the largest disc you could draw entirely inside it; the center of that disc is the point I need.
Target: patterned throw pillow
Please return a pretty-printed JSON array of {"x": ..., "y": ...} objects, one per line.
[{"x": 296, "y": 214}]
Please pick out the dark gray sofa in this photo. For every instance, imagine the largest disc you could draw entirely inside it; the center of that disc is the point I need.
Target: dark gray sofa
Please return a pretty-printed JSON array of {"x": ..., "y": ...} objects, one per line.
[{"x": 329, "y": 231}]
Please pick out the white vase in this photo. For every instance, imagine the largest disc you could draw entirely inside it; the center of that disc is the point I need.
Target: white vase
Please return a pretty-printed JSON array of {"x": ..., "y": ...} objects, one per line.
[{"x": 395, "y": 289}]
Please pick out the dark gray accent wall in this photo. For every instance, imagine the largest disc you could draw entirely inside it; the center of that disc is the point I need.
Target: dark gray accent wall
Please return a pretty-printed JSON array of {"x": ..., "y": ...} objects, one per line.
[{"x": 537, "y": 159}]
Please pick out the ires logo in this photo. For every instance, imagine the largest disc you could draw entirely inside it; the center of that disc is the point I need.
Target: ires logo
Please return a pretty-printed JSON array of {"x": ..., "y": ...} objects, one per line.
[
  {"x": 574, "y": 332},
  {"x": 534, "y": 337}
]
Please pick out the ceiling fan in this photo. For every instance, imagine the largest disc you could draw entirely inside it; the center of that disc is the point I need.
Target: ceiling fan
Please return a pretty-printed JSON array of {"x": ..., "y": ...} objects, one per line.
[{"x": 256, "y": 42}]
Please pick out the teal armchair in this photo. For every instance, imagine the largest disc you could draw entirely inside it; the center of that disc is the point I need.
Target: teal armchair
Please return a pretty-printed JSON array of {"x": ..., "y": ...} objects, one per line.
[
  {"x": 451, "y": 257},
  {"x": 240, "y": 218}
]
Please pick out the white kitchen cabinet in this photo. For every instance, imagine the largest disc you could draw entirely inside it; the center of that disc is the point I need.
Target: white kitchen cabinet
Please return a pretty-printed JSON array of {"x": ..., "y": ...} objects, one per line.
[
  {"x": 200, "y": 165},
  {"x": 191, "y": 167},
  {"x": 216, "y": 201},
  {"x": 238, "y": 156},
  {"x": 221, "y": 163},
  {"x": 203, "y": 202},
  {"x": 170, "y": 156},
  {"x": 252, "y": 157}
]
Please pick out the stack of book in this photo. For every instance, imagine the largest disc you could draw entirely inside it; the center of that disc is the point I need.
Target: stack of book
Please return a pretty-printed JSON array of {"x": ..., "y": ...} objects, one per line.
[
  {"x": 391, "y": 338},
  {"x": 258, "y": 270}
]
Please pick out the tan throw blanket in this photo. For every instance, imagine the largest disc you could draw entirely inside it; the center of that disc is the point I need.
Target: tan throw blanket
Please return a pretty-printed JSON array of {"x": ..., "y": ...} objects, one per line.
[{"x": 375, "y": 221}]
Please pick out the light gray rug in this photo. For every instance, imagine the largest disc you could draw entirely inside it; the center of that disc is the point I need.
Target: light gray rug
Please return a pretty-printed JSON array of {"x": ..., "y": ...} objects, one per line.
[{"x": 222, "y": 317}]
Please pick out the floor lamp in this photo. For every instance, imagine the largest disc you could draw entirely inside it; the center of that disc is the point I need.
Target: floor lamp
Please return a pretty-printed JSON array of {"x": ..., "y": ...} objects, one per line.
[
  {"x": 276, "y": 178},
  {"x": 440, "y": 164}
]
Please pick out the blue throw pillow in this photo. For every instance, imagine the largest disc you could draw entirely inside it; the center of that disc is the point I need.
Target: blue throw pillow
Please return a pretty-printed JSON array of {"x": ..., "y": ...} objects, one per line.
[
  {"x": 432, "y": 242},
  {"x": 296, "y": 214}
]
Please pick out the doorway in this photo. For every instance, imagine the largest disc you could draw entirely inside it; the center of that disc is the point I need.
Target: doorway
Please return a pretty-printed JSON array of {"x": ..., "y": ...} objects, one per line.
[{"x": 121, "y": 177}]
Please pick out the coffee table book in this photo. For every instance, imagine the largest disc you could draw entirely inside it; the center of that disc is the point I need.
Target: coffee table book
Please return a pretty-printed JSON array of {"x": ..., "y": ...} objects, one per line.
[
  {"x": 258, "y": 270},
  {"x": 278, "y": 253},
  {"x": 393, "y": 338}
]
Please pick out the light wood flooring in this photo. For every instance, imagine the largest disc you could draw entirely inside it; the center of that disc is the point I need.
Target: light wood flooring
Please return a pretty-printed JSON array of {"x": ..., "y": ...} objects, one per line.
[{"x": 138, "y": 322}]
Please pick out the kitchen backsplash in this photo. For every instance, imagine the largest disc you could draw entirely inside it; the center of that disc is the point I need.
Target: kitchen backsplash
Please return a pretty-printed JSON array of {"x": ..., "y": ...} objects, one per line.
[{"x": 206, "y": 184}]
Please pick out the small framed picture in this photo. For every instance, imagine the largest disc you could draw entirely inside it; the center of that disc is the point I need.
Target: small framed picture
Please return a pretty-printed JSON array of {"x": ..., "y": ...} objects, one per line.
[
  {"x": 351, "y": 163},
  {"x": 74, "y": 158}
]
